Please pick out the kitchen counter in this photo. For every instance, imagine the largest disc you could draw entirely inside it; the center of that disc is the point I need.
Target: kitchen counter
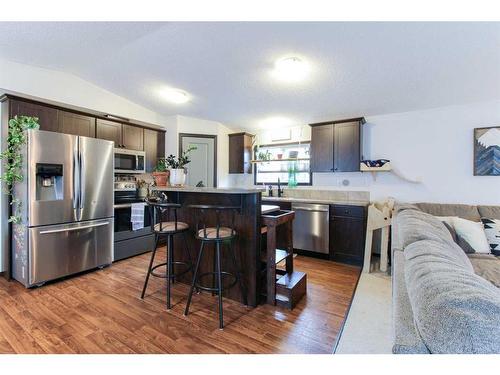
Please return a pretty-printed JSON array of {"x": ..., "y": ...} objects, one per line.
[
  {"x": 363, "y": 203},
  {"x": 246, "y": 223},
  {"x": 191, "y": 189}
]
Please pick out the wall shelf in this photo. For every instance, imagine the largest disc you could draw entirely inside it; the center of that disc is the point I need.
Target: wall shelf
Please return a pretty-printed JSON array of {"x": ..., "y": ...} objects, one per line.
[
  {"x": 275, "y": 160},
  {"x": 385, "y": 168}
]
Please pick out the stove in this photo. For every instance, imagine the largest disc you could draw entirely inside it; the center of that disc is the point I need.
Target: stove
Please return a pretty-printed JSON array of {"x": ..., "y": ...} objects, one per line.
[{"x": 130, "y": 242}]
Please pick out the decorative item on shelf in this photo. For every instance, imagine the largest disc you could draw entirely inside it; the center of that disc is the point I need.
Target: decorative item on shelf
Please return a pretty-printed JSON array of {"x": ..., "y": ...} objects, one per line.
[
  {"x": 292, "y": 174},
  {"x": 142, "y": 189},
  {"x": 161, "y": 173},
  {"x": 177, "y": 166},
  {"x": 293, "y": 154},
  {"x": 279, "y": 156},
  {"x": 487, "y": 151},
  {"x": 264, "y": 156}
]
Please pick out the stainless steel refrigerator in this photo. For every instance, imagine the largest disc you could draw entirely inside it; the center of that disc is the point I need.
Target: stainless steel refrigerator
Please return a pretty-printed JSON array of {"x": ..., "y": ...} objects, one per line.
[{"x": 67, "y": 207}]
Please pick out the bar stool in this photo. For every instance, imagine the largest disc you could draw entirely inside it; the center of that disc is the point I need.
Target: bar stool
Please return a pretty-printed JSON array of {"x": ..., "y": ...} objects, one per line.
[
  {"x": 163, "y": 227},
  {"x": 218, "y": 235}
]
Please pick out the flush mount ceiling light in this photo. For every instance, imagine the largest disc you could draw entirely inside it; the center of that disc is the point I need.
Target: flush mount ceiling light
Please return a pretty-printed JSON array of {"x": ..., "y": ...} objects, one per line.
[
  {"x": 175, "y": 96},
  {"x": 291, "y": 69}
]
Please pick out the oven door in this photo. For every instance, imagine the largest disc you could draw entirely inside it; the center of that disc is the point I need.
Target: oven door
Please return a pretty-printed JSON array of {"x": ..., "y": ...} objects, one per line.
[{"x": 123, "y": 225}]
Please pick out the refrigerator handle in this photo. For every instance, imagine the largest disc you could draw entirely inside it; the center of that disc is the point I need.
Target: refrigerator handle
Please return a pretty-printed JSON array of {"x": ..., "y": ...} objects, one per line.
[
  {"x": 76, "y": 178},
  {"x": 82, "y": 179}
]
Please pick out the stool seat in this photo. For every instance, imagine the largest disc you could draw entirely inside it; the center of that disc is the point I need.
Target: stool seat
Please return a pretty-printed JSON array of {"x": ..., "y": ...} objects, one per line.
[
  {"x": 211, "y": 233},
  {"x": 169, "y": 227}
]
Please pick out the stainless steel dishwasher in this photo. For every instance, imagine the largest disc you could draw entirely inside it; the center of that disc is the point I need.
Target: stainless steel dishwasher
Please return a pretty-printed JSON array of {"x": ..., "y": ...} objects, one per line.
[{"x": 311, "y": 227}]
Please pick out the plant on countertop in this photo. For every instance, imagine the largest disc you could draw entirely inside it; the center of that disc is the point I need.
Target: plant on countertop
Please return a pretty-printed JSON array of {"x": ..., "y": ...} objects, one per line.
[
  {"x": 180, "y": 162},
  {"x": 161, "y": 165},
  {"x": 13, "y": 158}
]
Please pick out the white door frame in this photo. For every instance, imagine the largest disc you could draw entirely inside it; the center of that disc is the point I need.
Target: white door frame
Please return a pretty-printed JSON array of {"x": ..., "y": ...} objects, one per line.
[{"x": 214, "y": 137}]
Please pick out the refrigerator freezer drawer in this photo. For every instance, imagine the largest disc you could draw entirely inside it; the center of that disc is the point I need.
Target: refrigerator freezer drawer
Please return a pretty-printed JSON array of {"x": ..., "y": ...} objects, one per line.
[{"x": 61, "y": 250}]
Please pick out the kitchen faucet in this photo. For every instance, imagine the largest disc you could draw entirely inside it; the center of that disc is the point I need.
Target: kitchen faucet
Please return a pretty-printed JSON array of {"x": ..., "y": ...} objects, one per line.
[{"x": 280, "y": 190}]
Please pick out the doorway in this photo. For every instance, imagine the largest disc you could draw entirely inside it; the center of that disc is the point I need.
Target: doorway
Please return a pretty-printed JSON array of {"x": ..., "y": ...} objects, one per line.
[{"x": 202, "y": 170}]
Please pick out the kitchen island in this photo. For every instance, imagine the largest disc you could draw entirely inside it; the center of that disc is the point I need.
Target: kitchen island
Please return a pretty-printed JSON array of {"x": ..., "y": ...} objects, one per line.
[{"x": 246, "y": 246}]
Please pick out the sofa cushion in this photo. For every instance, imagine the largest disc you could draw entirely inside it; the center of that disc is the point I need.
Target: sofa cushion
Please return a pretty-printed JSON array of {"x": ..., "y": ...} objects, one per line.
[
  {"x": 492, "y": 212},
  {"x": 487, "y": 266},
  {"x": 464, "y": 245},
  {"x": 455, "y": 310},
  {"x": 414, "y": 225},
  {"x": 492, "y": 232},
  {"x": 461, "y": 210},
  {"x": 406, "y": 337}
]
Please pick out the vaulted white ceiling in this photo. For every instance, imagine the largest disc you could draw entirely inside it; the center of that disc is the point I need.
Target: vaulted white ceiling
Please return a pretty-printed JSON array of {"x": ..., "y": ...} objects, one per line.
[{"x": 358, "y": 69}]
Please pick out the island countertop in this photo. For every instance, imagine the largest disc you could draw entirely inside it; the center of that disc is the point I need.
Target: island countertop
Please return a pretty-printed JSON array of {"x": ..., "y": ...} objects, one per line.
[{"x": 191, "y": 189}]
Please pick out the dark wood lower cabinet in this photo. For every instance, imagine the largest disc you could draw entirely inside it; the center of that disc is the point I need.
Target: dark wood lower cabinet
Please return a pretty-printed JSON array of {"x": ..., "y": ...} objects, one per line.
[{"x": 347, "y": 234}]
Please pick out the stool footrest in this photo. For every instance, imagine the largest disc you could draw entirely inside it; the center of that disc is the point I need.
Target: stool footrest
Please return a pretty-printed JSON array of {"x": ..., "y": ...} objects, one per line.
[
  {"x": 210, "y": 289},
  {"x": 174, "y": 275}
]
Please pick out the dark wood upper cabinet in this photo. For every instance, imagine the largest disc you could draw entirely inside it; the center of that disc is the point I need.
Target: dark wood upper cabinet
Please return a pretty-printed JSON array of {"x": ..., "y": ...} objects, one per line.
[
  {"x": 110, "y": 131},
  {"x": 154, "y": 146},
  {"x": 322, "y": 148},
  {"x": 346, "y": 147},
  {"x": 336, "y": 146},
  {"x": 47, "y": 116},
  {"x": 240, "y": 153},
  {"x": 72, "y": 123},
  {"x": 132, "y": 137},
  {"x": 347, "y": 233}
]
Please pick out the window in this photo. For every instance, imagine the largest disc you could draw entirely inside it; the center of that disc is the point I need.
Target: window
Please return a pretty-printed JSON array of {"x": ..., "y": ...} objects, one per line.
[{"x": 284, "y": 160}]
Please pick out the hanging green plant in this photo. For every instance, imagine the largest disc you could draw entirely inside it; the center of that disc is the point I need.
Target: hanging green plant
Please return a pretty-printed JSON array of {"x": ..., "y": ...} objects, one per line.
[{"x": 13, "y": 159}]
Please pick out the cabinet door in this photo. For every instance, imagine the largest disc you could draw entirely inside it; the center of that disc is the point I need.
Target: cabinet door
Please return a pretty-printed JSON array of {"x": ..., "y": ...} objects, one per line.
[
  {"x": 240, "y": 153},
  {"x": 110, "y": 131},
  {"x": 133, "y": 137},
  {"x": 346, "y": 148},
  {"x": 47, "y": 116},
  {"x": 154, "y": 146},
  {"x": 347, "y": 239},
  {"x": 322, "y": 148},
  {"x": 72, "y": 123}
]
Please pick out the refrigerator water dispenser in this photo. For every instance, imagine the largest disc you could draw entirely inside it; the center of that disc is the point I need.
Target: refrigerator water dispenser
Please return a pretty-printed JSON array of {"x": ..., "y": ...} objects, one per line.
[{"x": 49, "y": 182}]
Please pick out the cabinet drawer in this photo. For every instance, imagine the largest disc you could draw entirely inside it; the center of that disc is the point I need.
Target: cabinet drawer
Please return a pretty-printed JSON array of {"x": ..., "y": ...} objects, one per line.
[{"x": 347, "y": 210}]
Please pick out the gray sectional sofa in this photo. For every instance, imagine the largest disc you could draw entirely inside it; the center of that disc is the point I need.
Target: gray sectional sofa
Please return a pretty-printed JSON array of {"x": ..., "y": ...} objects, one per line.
[{"x": 444, "y": 301}]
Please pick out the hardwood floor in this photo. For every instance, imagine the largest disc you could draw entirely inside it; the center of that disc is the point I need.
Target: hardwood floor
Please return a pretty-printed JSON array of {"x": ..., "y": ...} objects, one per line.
[{"x": 101, "y": 312}]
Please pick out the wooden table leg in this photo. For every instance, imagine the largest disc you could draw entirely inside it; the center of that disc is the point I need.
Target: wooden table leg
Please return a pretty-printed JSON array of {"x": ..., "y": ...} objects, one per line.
[
  {"x": 271, "y": 264},
  {"x": 368, "y": 251},
  {"x": 384, "y": 249}
]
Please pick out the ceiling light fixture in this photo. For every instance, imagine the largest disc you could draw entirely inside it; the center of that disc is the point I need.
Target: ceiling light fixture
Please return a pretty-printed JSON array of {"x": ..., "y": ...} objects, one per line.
[
  {"x": 175, "y": 96},
  {"x": 291, "y": 69}
]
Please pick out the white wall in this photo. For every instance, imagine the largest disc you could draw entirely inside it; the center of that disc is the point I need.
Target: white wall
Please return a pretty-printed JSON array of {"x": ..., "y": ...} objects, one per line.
[
  {"x": 434, "y": 146},
  {"x": 184, "y": 124}
]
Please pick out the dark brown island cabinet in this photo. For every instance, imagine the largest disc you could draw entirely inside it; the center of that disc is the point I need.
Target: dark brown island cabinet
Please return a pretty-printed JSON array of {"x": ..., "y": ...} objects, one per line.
[
  {"x": 336, "y": 146},
  {"x": 347, "y": 233},
  {"x": 240, "y": 153},
  {"x": 88, "y": 123}
]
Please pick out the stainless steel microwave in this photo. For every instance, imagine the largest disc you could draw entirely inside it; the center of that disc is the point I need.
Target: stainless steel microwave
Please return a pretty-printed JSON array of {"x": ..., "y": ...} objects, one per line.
[{"x": 130, "y": 161}]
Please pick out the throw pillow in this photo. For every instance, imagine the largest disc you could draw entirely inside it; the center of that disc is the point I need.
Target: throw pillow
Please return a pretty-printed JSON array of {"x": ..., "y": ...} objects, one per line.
[
  {"x": 464, "y": 245},
  {"x": 473, "y": 233},
  {"x": 492, "y": 231}
]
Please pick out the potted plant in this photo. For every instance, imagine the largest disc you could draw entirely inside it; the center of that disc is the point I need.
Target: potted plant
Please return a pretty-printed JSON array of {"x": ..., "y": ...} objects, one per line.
[
  {"x": 161, "y": 173},
  {"x": 178, "y": 168}
]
